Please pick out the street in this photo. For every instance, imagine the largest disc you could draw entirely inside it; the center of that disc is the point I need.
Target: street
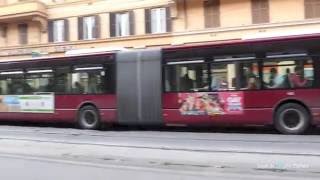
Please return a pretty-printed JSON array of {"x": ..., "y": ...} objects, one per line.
[{"x": 67, "y": 153}]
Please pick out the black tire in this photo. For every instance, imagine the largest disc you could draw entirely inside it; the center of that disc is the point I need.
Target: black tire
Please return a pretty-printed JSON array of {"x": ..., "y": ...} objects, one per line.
[
  {"x": 88, "y": 118},
  {"x": 292, "y": 118}
]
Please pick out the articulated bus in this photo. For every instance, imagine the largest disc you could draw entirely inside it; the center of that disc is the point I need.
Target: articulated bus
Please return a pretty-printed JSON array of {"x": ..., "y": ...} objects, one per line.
[{"x": 272, "y": 81}]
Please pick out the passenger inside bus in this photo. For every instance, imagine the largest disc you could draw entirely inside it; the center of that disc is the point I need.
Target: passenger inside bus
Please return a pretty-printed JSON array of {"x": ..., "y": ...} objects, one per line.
[
  {"x": 251, "y": 79},
  {"x": 50, "y": 86},
  {"x": 186, "y": 83},
  {"x": 275, "y": 79},
  {"x": 219, "y": 84},
  {"x": 78, "y": 88},
  {"x": 92, "y": 84},
  {"x": 297, "y": 79},
  {"x": 286, "y": 81},
  {"x": 19, "y": 87}
]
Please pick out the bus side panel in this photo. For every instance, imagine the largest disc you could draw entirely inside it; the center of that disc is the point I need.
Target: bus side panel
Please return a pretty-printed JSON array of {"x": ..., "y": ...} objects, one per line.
[
  {"x": 58, "y": 116},
  {"x": 66, "y": 109},
  {"x": 311, "y": 98},
  {"x": 106, "y": 104},
  {"x": 264, "y": 99},
  {"x": 270, "y": 98},
  {"x": 258, "y": 108},
  {"x": 172, "y": 114},
  {"x": 248, "y": 116}
]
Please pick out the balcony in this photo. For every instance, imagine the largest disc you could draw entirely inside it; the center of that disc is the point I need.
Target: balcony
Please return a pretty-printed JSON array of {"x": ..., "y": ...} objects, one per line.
[{"x": 24, "y": 11}]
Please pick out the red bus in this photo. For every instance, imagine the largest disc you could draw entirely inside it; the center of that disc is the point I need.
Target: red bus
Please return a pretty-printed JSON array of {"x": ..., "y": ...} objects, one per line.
[
  {"x": 64, "y": 89},
  {"x": 244, "y": 82},
  {"x": 237, "y": 83}
]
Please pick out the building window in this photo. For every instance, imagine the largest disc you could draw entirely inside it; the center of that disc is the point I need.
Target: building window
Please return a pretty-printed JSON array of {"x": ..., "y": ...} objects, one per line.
[
  {"x": 122, "y": 24},
  {"x": 212, "y": 13},
  {"x": 158, "y": 20},
  {"x": 260, "y": 11},
  {"x": 58, "y": 30},
  {"x": 88, "y": 27},
  {"x": 23, "y": 33},
  {"x": 312, "y": 8}
]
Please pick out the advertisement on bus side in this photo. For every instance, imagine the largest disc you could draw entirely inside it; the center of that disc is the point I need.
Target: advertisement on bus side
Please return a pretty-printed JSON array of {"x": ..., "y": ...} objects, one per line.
[
  {"x": 27, "y": 103},
  {"x": 204, "y": 103}
]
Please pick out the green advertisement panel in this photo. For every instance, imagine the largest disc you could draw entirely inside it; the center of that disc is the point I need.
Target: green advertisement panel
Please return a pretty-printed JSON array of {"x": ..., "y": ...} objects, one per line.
[{"x": 27, "y": 103}]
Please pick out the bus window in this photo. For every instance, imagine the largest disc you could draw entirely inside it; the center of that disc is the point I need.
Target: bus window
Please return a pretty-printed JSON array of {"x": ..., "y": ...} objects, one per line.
[
  {"x": 63, "y": 80},
  {"x": 40, "y": 80},
  {"x": 308, "y": 72},
  {"x": 108, "y": 83},
  {"x": 88, "y": 80},
  {"x": 249, "y": 76},
  {"x": 4, "y": 89},
  {"x": 287, "y": 73},
  {"x": 12, "y": 82},
  {"x": 187, "y": 77},
  {"x": 276, "y": 73},
  {"x": 223, "y": 77}
]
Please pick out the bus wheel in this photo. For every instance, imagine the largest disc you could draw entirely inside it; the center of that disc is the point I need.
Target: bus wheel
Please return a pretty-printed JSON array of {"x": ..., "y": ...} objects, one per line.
[
  {"x": 88, "y": 118},
  {"x": 292, "y": 118}
]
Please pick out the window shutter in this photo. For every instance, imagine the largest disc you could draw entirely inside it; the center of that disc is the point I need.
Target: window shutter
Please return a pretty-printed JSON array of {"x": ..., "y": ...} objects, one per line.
[
  {"x": 308, "y": 9},
  {"x": 132, "y": 24},
  {"x": 4, "y": 30},
  {"x": 255, "y": 11},
  {"x": 208, "y": 14},
  {"x": 316, "y": 9},
  {"x": 112, "y": 24},
  {"x": 147, "y": 15},
  {"x": 66, "y": 30},
  {"x": 168, "y": 16},
  {"x": 260, "y": 11},
  {"x": 50, "y": 31},
  {"x": 23, "y": 33},
  {"x": 80, "y": 28},
  {"x": 216, "y": 13},
  {"x": 97, "y": 27},
  {"x": 264, "y": 11},
  {"x": 212, "y": 13},
  {"x": 312, "y": 9}
]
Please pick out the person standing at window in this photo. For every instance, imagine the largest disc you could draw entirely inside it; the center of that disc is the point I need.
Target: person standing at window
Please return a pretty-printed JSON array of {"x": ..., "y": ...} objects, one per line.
[{"x": 186, "y": 82}]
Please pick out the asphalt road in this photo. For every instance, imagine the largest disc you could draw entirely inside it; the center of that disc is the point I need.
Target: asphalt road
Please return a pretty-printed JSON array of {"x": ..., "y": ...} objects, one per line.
[{"x": 66, "y": 153}]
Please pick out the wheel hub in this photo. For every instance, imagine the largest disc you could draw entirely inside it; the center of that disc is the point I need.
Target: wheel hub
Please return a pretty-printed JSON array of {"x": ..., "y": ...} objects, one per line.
[{"x": 291, "y": 119}]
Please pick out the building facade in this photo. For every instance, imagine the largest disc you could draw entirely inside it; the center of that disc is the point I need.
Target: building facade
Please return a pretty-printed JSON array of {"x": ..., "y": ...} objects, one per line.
[{"x": 51, "y": 27}]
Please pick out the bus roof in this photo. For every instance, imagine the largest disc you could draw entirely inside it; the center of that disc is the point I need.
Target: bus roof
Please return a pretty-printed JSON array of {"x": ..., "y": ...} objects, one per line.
[
  {"x": 77, "y": 52},
  {"x": 54, "y": 57},
  {"x": 52, "y": 61},
  {"x": 254, "y": 39},
  {"x": 285, "y": 44}
]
